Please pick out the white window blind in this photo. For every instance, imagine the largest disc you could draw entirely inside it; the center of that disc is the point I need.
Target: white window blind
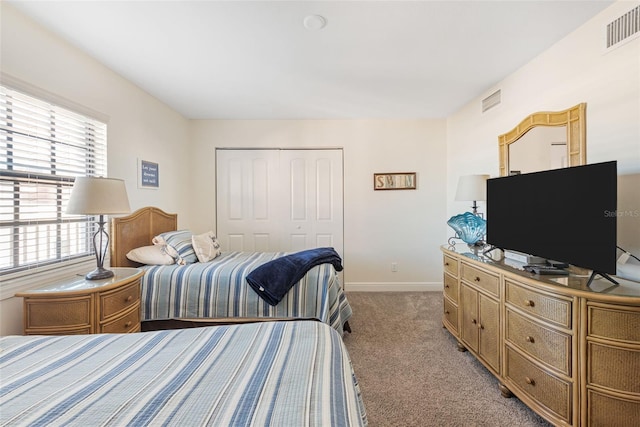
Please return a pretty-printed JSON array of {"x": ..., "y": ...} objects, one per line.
[{"x": 43, "y": 147}]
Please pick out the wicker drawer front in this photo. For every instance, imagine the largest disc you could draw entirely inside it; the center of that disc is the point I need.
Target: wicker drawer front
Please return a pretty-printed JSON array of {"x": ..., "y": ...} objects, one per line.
[
  {"x": 623, "y": 375},
  {"x": 611, "y": 411},
  {"x": 553, "y": 309},
  {"x": 119, "y": 300},
  {"x": 615, "y": 322},
  {"x": 451, "y": 265},
  {"x": 451, "y": 287},
  {"x": 546, "y": 345},
  {"x": 130, "y": 322},
  {"x": 58, "y": 312},
  {"x": 551, "y": 392},
  {"x": 481, "y": 279},
  {"x": 451, "y": 314}
]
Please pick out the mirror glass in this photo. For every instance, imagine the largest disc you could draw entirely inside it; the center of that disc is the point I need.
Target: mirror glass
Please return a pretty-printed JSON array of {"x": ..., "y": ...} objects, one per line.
[
  {"x": 541, "y": 148},
  {"x": 545, "y": 140}
]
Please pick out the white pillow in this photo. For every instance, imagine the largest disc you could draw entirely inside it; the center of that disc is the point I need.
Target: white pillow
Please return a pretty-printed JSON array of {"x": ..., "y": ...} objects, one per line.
[
  {"x": 206, "y": 246},
  {"x": 151, "y": 255}
]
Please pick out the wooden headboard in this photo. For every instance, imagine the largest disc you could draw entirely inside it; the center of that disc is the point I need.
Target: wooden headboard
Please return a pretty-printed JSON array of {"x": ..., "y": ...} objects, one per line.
[{"x": 136, "y": 230}]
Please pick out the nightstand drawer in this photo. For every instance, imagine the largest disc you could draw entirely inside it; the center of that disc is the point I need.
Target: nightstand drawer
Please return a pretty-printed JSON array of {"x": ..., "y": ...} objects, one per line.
[
  {"x": 451, "y": 287},
  {"x": 552, "y": 392},
  {"x": 451, "y": 265},
  {"x": 600, "y": 372},
  {"x": 546, "y": 345},
  {"x": 63, "y": 312},
  {"x": 130, "y": 322},
  {"x": 113, "y": 302},
  {"x": 553, "y": 309},
  {"x": 480, "y": 278},
  {"x": 450, "y": 314}
]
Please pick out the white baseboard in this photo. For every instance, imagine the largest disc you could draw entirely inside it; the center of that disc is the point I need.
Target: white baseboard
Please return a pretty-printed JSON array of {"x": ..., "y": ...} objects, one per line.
[{"x": 393, "y": 287}]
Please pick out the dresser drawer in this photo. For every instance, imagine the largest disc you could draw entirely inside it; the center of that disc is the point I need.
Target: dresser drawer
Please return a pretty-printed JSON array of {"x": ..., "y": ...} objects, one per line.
[
  {"x": 552, "y": 309},
  {"x": 451, "y": 314},
  {"x": 546, "y": 345},
  {"x": 614, "y": 322},
  {"x": 604, "y": 410},
  {"x": 549, "y": 391},
  {"x": 602, "y": 372},
  {"x": 113, "y": 302},
  {"x": 451, "y": 265},
  {"x": 451, "y": 287},
  {"x": 61, "y": 312},
  {"x": 480, "y": 278},
  {"x": 129, "y": 322}
]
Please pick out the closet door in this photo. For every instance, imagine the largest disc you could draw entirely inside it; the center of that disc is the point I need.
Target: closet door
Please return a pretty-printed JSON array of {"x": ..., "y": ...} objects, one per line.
[
  {"x": 279, "y": 200},
  {"x": 248, "y": 205},
  {"x": 312, "y": 187}
]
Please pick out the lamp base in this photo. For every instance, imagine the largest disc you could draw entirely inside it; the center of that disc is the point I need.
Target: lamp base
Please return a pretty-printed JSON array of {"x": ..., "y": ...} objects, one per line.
[{"x": 99, "y": 273}]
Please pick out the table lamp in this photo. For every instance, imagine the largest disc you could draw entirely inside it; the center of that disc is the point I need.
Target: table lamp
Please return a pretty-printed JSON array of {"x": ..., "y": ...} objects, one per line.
[
  {"x": 472, "y": 188},
  {"x": 99, "y": 196}
]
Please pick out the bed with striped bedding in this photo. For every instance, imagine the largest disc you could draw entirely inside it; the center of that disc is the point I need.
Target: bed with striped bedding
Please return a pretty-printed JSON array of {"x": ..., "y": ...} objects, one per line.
[
  {"x": 259, "y": 374},
  {"x": 218, "y": 290}
]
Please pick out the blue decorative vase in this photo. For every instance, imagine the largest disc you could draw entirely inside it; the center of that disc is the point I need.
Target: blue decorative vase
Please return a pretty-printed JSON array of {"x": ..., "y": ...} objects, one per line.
[{"x": 469, "y": 227}]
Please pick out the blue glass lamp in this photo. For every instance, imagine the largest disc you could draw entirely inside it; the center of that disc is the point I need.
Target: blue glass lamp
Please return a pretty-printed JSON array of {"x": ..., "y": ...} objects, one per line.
[{"x": 469, "y": 227}]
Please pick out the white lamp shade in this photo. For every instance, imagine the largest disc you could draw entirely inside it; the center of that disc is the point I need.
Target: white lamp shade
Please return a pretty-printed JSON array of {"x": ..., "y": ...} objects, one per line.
[
  {"x": 98, "y": 196},
  {"x": 472, "y": 187}
]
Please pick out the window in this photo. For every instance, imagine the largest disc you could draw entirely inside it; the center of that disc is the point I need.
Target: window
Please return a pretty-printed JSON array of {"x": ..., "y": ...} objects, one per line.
[{"x": 43, "y": 147}]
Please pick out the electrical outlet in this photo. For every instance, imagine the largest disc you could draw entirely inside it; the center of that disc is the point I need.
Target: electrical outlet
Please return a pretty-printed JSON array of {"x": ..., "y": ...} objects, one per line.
[{"x": 394, "y": 266}]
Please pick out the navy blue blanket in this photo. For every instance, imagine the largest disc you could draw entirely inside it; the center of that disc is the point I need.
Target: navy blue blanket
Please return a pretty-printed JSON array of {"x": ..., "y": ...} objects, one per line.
[{"x": 272, "y": 280}]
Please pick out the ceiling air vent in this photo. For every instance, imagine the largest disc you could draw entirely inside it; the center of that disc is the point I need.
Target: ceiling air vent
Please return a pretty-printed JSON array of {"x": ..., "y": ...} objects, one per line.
[
  {"x": 623, "y": 27},
  {"x": 491, "y": 101}
]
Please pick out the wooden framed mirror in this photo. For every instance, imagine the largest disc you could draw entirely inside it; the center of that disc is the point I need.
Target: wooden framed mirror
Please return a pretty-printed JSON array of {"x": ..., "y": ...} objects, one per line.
[{"x": 545, "y": 140}]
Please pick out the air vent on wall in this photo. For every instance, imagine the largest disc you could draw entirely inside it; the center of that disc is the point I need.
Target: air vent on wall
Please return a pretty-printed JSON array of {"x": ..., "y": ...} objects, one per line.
[
  {"x": 491, "y": 101},
  {"x": 623, "y": 27}
]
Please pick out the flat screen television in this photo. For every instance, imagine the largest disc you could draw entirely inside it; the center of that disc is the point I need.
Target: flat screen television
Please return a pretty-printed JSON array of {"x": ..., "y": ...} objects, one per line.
[{"x": 566, "y": 215}]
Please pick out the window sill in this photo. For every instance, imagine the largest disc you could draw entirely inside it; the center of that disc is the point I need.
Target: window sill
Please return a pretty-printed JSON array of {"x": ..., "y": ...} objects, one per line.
[{"x": 38, "y": 277}]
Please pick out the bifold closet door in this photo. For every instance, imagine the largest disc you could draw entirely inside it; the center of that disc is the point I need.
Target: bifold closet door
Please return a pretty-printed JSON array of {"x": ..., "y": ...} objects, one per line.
[{"x": 279, "y": 199}]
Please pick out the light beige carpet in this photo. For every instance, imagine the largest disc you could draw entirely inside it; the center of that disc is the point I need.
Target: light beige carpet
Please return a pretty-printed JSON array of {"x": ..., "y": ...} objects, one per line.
[{"x": 411, "y": 373}]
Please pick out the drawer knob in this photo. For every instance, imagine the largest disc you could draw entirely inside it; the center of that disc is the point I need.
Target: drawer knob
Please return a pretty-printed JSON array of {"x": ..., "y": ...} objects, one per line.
[
  {"x": 474, "y": 321},
  {"x": 530, "y": 339},
  {"x": 477, "y": 279},
  {"x": 481, "y": 326},
  {"x": 446, "y": 312},
  {"x": 446, "y": 286},
  {"x": 446, "y": 264},
  {"x": 126, "y": 325},
  {"x": 529, "y": 303},
  {"x": 530, "y": 381},
  {"x": 129, "y": 298}
]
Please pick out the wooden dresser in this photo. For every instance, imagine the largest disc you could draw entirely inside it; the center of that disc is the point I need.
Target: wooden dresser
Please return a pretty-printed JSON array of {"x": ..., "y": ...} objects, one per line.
[
  {"x": 568, "y": 351},
  {"x": 79, "y": 306}
]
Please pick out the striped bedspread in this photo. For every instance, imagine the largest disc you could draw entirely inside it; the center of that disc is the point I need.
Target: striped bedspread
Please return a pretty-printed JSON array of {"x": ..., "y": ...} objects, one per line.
[
  {"x": 294, "y": 373},
  {"x": 218, "y": 289}
]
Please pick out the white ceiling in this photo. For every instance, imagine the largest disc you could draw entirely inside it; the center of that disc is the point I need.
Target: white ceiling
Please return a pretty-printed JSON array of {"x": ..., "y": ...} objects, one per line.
[{"x": 256, "y": 60}]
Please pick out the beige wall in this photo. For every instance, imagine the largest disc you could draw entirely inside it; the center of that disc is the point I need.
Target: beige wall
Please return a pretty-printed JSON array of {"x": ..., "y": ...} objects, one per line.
[
  {"x": 380, "y": 227},
  {"x": 139, "y": 126},
  {"x": 574, "y": 70}
]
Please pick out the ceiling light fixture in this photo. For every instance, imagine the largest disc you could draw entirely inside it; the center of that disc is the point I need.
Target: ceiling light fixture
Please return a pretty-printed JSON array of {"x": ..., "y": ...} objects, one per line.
[{"x": 315, "y": 22}]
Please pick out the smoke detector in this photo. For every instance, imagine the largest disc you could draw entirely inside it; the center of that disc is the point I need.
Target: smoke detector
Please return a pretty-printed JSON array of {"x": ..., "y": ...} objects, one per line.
[{"x": 315, "y": 22}]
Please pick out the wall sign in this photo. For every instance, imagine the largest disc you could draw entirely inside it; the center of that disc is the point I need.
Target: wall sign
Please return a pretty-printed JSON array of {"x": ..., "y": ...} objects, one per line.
[
  {"x": 148, "y": 175},
  {"x": 394, "y": 181}
]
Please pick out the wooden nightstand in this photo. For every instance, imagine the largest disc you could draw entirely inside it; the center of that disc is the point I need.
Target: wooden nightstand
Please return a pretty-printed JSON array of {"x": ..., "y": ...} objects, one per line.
[{"x": 79, "y": 306}]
